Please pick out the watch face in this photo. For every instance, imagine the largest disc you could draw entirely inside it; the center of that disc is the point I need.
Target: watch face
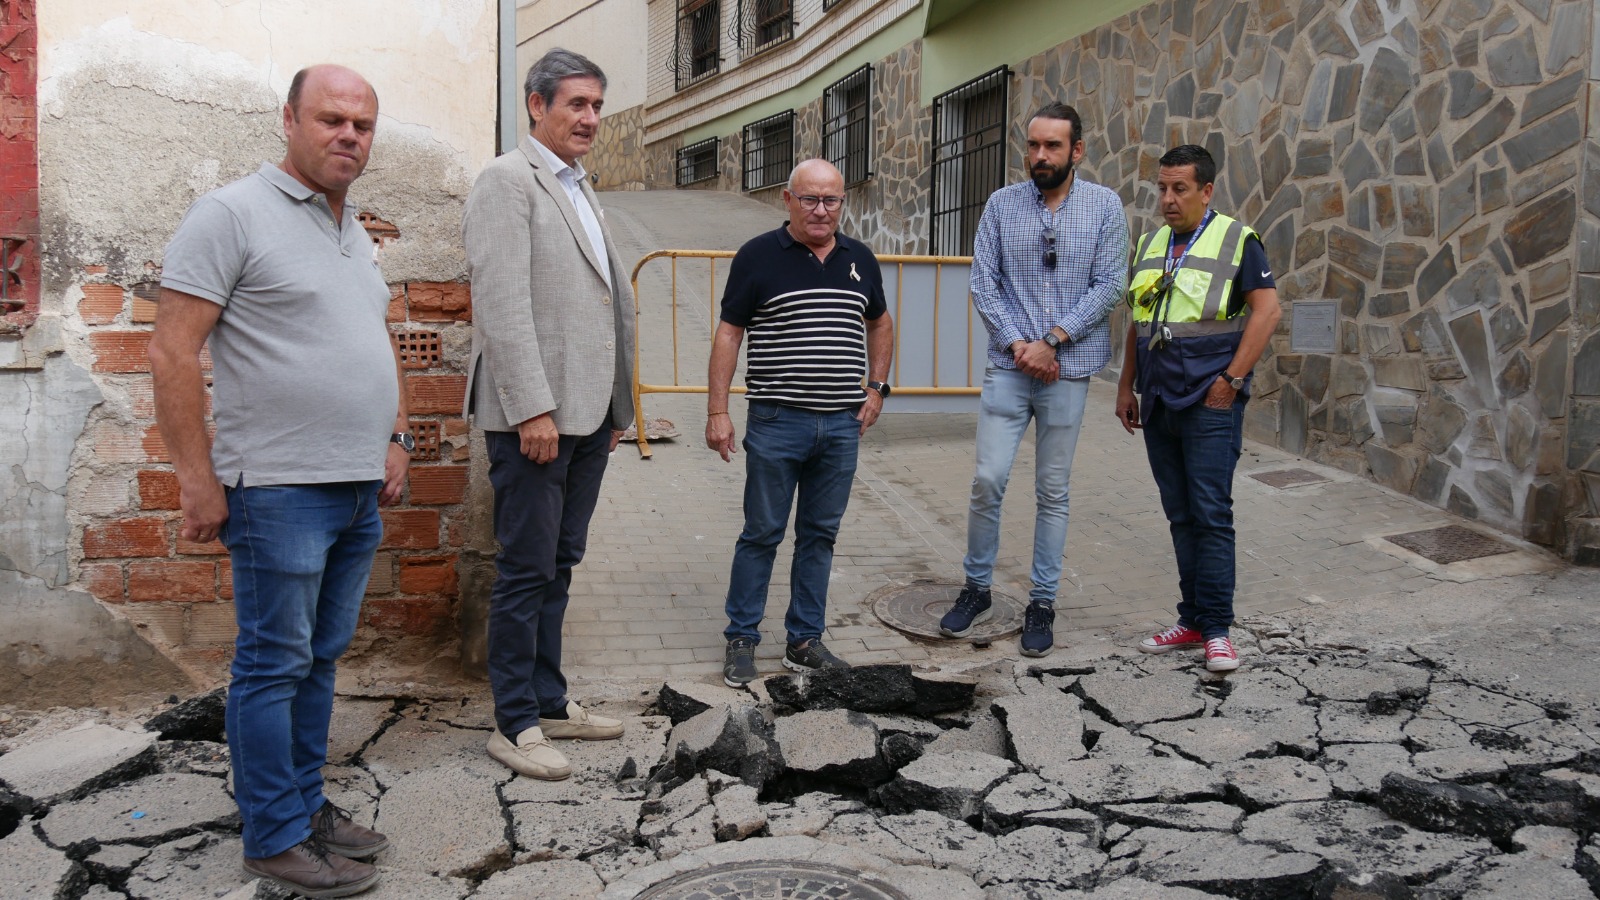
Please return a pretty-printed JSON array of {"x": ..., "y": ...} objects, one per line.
[{"x": 406, "y": 441}]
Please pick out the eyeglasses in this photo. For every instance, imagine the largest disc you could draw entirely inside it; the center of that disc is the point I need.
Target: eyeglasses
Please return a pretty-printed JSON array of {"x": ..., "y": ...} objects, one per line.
[
  {"x": 810, "y": 203},
  {"x": 1049, "y": 247}
]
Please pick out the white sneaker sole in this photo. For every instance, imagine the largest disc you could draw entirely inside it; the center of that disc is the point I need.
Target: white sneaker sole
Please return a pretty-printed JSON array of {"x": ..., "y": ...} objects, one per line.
[
  {"x": 1158, "y": 650},
  {"x": 1221, "y": 665}
]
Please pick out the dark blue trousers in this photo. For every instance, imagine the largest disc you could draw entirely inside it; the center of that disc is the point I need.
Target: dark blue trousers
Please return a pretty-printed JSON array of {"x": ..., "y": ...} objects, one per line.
[
  {"x": 1193, "y": 452},
  {"x": 541, "y": 518}
]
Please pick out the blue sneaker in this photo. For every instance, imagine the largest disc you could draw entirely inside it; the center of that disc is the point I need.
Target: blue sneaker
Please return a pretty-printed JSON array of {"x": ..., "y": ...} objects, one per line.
[
  {"x": 1038, "y": 638},
  {"x": 972, "y": 607}
]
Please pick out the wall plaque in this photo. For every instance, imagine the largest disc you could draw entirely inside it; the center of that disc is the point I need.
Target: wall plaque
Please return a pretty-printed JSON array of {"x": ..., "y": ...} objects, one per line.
[{"x": 1314, "y": 326}]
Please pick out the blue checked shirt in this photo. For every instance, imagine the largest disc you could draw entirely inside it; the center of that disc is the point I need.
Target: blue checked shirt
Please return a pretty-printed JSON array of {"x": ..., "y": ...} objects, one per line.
[{"x": 1019, "y": 299}]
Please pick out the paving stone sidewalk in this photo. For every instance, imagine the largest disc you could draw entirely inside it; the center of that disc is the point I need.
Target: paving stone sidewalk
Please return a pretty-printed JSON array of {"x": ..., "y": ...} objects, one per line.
[{"x": 647, "y": 601}]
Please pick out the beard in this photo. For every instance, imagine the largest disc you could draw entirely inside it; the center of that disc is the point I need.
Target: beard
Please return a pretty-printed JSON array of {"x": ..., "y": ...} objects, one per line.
[{"x": 1048, "y": 178}]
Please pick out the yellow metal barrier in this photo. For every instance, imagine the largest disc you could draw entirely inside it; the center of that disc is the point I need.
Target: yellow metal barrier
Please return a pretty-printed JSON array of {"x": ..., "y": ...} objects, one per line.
[{"x": 899, "y": 262}]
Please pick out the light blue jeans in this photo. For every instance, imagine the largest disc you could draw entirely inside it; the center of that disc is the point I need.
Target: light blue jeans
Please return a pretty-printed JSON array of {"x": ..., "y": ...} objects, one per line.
[
  {"x": 1010, "y": 401},
  {"x": 301, "y": 556}
]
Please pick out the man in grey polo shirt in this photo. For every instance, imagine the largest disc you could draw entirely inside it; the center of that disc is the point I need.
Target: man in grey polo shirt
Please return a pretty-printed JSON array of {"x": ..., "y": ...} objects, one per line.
[{"x": 311, "y": 439}]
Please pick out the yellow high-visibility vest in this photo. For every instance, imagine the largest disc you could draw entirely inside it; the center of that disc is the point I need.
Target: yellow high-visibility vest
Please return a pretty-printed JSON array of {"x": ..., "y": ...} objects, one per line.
[{"x": 1200, "y": 288}]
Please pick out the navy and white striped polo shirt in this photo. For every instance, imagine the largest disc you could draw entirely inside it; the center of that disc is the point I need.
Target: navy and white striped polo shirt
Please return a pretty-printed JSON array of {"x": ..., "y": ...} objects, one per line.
[{"x": 804, "y": 319}]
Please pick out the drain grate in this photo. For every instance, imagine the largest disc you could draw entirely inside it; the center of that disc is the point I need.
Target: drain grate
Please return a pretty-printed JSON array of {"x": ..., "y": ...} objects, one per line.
[
  {"x": 1288, "y": 478},
  {"x": 1450, "y": 544},
  {"x": 917, "y": 608},
  {"x": 771, "y": 881}
]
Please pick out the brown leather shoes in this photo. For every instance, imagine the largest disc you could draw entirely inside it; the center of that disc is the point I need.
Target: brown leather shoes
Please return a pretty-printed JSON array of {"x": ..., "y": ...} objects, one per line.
[
  {"x": 340, "y": 834},
  {"x": 306, "y": 868}
]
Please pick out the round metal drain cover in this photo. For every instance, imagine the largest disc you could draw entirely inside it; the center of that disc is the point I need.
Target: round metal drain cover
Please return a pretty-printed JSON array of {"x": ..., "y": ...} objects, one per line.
[
  {"x": 917, "y": 608},
  {"x": 770, "y": 881}
]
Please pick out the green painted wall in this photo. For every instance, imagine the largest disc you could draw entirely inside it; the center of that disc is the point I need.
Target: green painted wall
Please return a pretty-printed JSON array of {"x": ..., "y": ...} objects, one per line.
[
  {"x": 902, "y": 31},
  {"x": 991, "y": 33},
  {"x": 964, "y": 39}
]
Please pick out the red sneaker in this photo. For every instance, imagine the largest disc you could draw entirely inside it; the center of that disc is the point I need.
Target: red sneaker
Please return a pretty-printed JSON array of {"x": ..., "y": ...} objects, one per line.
[
  {"x": 1173, "y": 638},
  {"x": 1220, "y": 655}
]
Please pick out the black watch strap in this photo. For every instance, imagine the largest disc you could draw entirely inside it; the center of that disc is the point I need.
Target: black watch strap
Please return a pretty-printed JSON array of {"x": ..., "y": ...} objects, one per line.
[
  {"x": 1051, "y": 340},
  {"x": 405, "y": 439},
  {"x": 883, "y": 389}
]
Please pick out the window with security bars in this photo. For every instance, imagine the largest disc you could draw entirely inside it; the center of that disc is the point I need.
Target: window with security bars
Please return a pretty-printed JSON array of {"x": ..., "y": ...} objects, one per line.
[
  {"x": 697, "y": 46},
  {"x": 830, "y": 4},
  {"x": 698, "y": 162},
  {"x": 768, "y": 151},
  {"x": 763, "y": 23},
  {"x": 847, "y": 125},
  {"x": 969, "y": 159}
]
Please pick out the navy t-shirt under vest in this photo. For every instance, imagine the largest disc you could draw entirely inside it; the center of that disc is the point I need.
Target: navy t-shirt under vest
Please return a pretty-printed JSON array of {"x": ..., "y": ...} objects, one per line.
[{"x": 804, "y": 319}]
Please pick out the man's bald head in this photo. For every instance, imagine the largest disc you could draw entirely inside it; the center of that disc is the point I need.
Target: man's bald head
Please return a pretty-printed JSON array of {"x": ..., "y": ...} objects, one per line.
[
  {"x": 322, "y": 72},
  {"x": 815, "y": 171}
]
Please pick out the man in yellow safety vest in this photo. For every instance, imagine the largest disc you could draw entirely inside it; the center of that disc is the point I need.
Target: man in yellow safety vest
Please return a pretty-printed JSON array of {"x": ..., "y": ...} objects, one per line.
[{"x": 1204, "y": 306}]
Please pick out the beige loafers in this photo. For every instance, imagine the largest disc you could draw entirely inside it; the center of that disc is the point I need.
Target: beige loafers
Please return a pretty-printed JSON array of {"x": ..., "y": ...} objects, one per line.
[
  {"x": 531, "y": 755},
  {"x": 581, "y": 725}
]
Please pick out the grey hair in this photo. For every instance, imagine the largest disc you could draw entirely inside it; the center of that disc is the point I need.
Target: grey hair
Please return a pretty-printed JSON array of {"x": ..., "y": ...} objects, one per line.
[{"x": 546, "y": 75}]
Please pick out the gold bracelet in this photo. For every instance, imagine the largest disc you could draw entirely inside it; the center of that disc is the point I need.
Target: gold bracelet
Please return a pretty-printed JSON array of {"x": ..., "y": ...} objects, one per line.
[{"x": 720, "y": 412}]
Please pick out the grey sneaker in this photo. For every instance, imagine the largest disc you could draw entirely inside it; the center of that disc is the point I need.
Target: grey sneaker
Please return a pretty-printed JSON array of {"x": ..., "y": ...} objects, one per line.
[
  {"x": 739, "y": 663},
  {"x": 811, "y": 656},
  {"x": 309, "y": 869}
]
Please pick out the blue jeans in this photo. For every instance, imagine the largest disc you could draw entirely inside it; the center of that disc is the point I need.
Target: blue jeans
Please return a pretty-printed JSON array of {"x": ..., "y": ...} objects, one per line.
[
  {"x": 1193, "y": 452},
  {"x": 541, "y": 518},
  {"x": 1010, "y": 400},
  {"x": 788, "y": 449},
  {"x": 301, "y": 556}
]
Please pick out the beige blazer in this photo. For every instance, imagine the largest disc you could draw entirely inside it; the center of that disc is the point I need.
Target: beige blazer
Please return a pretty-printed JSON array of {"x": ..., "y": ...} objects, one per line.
[{"x": 548, "y": 336}]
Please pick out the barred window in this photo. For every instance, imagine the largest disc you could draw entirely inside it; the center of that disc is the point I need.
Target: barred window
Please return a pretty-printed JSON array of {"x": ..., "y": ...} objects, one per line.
[
  {"x": 830, "y": 4},
  {"x": 698, "y": 161},
  {"x": 847, "y": 125},
  {"x": 768, "y": 151},
  {"x": 969, "y": 159},
  {"x": 697, "y": 46},
  {"x": 763, "y": 23}
]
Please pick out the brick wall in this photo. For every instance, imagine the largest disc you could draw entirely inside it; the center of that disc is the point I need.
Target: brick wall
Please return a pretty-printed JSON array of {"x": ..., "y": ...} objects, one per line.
[
  {"x": 180, "y": 593},
  {"x": 19, "y": 165}
]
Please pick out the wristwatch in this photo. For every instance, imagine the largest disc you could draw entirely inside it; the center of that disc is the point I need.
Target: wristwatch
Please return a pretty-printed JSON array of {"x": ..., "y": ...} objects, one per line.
[
  {"x": 406, "y": 441},
  {"x": 883, "y": 389},
  {"x": 1235, "y": 383},
  {"x": 1051, "y": 341}
]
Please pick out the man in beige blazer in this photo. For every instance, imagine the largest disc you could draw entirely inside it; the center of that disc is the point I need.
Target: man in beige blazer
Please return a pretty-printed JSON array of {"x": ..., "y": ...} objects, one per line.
[{"x": 550, "y": 384}]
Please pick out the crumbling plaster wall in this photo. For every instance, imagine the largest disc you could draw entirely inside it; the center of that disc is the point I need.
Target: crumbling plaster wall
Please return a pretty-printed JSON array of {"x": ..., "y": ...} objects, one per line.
[{"x": 143, "y": 107}]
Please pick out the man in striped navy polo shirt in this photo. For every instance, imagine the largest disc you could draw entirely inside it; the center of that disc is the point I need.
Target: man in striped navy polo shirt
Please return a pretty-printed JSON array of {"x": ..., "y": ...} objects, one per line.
[{"x": 812, "y": 302}]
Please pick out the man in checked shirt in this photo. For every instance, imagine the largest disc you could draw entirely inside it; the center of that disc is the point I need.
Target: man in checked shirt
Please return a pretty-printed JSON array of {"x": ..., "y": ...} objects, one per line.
[{"x": 1049, "y": 263}]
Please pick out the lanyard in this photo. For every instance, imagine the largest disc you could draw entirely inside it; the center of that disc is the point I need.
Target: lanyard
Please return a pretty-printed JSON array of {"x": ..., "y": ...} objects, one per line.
[
  {"x": 1173, "y": 266},
  {"x": 1160, "y": 336}
]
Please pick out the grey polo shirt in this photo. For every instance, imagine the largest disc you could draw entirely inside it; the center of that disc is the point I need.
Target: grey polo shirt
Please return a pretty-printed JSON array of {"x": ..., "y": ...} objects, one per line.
[{"x": 304, "y": 387}]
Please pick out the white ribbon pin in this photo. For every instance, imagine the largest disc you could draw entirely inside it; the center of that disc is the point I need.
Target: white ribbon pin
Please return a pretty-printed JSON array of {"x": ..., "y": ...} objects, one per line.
[{"x": 853, "y": 274}]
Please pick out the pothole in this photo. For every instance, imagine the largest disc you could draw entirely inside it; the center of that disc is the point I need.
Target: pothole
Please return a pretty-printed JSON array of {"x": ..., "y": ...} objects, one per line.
[{"x": 777, "y": 880}]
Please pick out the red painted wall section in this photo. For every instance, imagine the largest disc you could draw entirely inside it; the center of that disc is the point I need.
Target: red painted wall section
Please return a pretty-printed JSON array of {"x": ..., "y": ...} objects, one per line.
[{"x": 19, "y": 163}]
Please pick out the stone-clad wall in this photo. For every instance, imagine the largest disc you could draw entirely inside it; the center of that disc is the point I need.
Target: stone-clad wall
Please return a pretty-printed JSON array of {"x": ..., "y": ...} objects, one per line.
[
  {"x": 1418, "y": 162},
  {"x": 1421, "y": 162}
]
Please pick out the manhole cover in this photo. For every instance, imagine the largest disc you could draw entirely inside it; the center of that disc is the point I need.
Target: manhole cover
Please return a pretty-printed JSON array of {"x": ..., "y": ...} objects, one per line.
[
  {"x": 1287, "y": 478},
  {"x": 917, "y": 608},
  {"x": 1450, "y": 544},
  {"x": 771, "y": 881}
]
